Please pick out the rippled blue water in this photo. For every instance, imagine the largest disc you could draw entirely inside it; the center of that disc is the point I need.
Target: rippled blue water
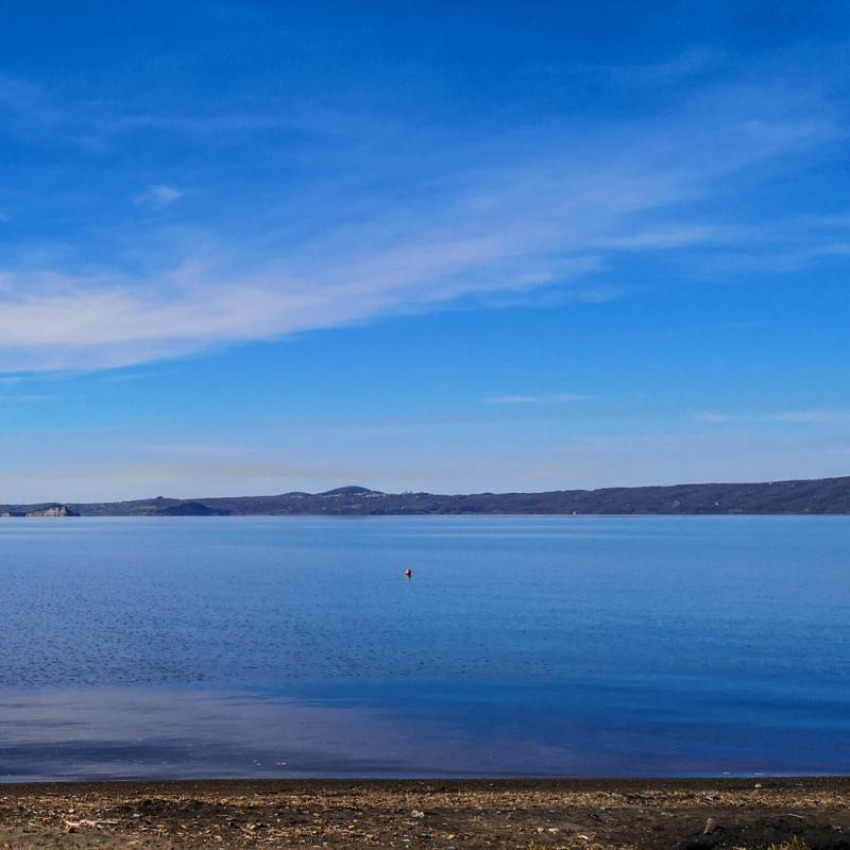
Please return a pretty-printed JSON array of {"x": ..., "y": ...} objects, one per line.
[{"x": 523, "y": 645}]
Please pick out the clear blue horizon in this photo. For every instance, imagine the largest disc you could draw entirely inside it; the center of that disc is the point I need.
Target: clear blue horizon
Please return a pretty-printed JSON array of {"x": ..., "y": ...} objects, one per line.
[{"x": 259, "y": 247}]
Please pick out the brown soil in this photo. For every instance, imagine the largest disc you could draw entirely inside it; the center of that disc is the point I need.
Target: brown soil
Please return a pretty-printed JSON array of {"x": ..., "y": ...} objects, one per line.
[{"x": 445, "y": 815}]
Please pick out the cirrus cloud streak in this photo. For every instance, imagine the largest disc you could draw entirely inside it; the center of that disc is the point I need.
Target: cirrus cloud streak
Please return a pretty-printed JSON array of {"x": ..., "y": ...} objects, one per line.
[{"x": 555, "y": 216}]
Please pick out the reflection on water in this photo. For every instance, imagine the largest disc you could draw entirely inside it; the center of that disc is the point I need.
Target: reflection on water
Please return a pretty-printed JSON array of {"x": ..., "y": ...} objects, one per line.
[
  {"x": 422, "y": 729},
  {"x": 523, "y": 646}
]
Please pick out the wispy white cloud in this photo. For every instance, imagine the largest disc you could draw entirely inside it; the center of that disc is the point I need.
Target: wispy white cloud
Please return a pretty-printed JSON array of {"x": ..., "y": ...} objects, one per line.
[
  {"x": 158, "y": 196},
  {"x": 674, "y": 458},
  {"x": 551, "y": 217},
  {"x": 794, "y": 417},
  {"x": 685, "y": 64},
  {"x": 38, "y": 466},
  {"x": 16, "y": 399},
  {"x": 815, "y": 417},
  {"x": 28, "y": 108},
  {"x": 555, "y": 398}
]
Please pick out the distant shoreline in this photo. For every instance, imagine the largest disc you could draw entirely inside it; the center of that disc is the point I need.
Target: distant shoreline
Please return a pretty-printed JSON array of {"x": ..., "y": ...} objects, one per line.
[
  {"x": 444, "y": 515},
  {"x": 830, "y": 496}
]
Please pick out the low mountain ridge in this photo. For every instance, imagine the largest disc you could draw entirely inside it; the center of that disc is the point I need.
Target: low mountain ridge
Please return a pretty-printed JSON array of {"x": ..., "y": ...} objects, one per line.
[
  {"x": 191, "y": 508},
  {"x": 350, "y": 491},
  {"x": 818, "y": 496}
]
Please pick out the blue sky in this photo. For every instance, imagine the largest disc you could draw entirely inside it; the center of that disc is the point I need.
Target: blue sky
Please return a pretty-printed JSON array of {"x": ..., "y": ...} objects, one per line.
[{"x": 256, "y": 247}]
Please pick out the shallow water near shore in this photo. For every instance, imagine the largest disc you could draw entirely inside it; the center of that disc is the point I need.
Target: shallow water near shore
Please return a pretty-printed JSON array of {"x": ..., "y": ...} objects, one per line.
[{"x": 543, "y": 646}]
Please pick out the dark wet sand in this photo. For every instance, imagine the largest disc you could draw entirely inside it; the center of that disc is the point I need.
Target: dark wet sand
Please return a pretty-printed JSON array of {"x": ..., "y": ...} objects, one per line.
[{"x": 411, "y": 814}]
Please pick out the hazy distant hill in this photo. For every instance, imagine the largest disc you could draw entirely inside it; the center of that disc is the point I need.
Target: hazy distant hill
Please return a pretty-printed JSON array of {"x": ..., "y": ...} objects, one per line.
[
  {"x": 823, "y": 496},
  {"x": 191, "y": 508},
  {"x": 52, "y": 509}
]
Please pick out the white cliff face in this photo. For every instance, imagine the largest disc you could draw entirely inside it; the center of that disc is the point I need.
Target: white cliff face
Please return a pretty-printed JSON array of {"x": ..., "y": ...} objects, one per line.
[
  {"x": 51, "y": 511},
  {"x": 54, "y": 511}
]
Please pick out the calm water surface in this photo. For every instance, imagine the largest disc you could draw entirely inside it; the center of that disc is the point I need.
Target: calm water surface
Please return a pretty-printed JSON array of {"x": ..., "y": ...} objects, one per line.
[{"x": 523, "y": 645}]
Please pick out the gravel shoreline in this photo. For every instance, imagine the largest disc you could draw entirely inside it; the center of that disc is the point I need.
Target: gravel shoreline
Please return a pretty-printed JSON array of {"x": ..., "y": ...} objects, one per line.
[{"x": 415, "y": 815}]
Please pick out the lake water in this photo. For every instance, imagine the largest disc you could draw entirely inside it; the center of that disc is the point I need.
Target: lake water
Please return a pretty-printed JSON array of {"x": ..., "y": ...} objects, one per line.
[{"x": 573, "y": 646}]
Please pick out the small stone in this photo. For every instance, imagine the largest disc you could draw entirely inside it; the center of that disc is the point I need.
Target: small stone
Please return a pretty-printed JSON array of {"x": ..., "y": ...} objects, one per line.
[{"x": 710, "y": 826}]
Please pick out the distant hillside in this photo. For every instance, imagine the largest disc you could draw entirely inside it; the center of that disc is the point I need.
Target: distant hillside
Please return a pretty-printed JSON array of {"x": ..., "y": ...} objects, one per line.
[
  {"x": 50, "y": 510},
  {"x": 823, "y": 496},
  {"x": 190, "y": 509}
]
